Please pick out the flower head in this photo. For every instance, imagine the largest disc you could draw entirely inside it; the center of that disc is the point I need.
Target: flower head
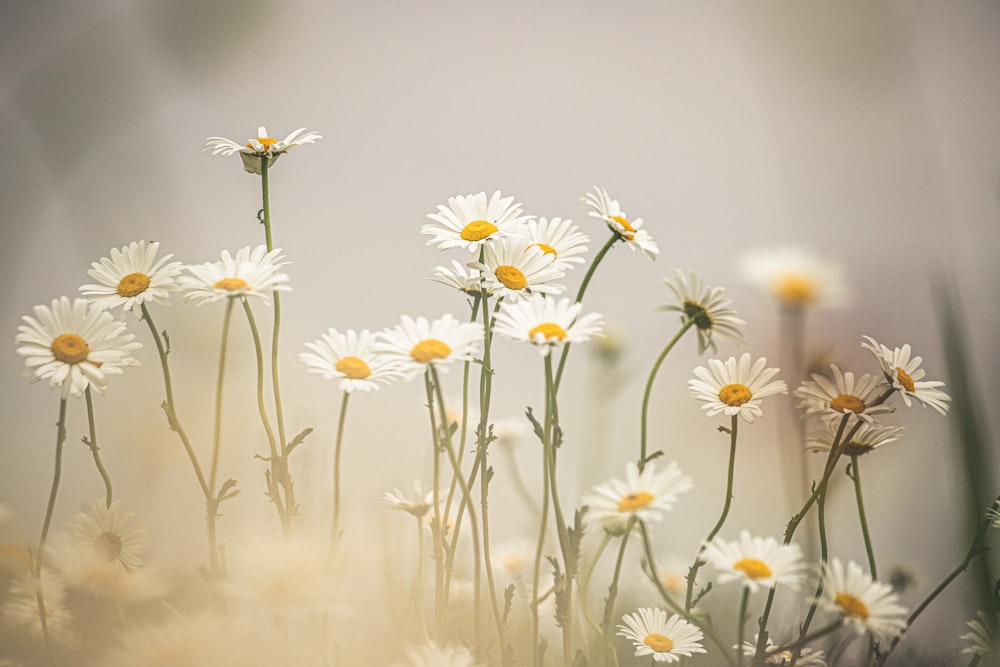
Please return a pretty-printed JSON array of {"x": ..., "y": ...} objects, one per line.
[
  {"x": 735, "y": 387},
  {"x": 261, "y": 146},
  {"x": 984, "y": 638},
  {"x": 795, "y": 277},
  {"x": 866, "y": 438},
  {"x": 630, "y": 231},
  {"x": 865, "y": 605},
  {"x": 706, "y": 306},
  {"x": 416, "y": 344},
  {"x": 460, "y": 277},
  {"x": 132, "y": 276},
  {"x": 471, "y": 221},
  {"x": 807, "y": 658},
  {"x": 351, "y": 358},
  {"x": 416, "y": 505},
  {"x": 906, "y": 376},
  {"x": 250, "y": 273},
  {"x": 20, "y": 609},
  {"x": 559, "y": 238},
  {"x": 108, "y": 535},
  {"x": 513, "y": 269},
  {"x": 513, "y": 560},
  {"x": 646, "y": 495},
  {"x": 432, "y": 655},
  {"x": 652, "y": 633},
  {"x": 844, "y": 395},
  {"x": 547, "y": 322},
  {"x": 75, "y": 346},
  {"x": 756, "y": 562}
]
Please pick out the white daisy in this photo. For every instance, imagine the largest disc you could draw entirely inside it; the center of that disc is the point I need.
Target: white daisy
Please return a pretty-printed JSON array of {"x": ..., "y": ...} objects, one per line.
[
  {"x": 984, "y": 640},
  {"x": 416, "y": 505},
  {"x": 470, "y": 221},
  {"x": 261, "y": 145},
  {"x": 250, "y": 273},
  {"x": 807, "y": 657},
  {"x": 547, "y": 322},
  {"x": 416, "y": 344},
  {"x": 74, "y": 345},
  {"x": 432, "y": 655},
  {"x": 559, "y": 238},
  {"x": 831, "y": 400},
  {"x": 652, "y": 633},
  {"x": 512, "y": 269},
  {"x": 755, "y": 562},
  {"x": 795, "y": 277},
  {"x": 647, "y": 496},
  {"x": 513, "y": 561},
  {"x": 866, "y": 605},
  {"x": 993, "y": 514},
  {"x": 906, "y": 376},
  {"x": 706, "y": 306},
  {"x": 735, "y": 388},
  {"x": 350, "y": 357},
  {"x": 608, "y": 210},
  {"x": 866, "y": 438},
  {"x": 460, "y": 277},
  {"x": 20, "y": 608},
  {"x": 131, "y": 277},
  {"x": 108, "y": 534}
]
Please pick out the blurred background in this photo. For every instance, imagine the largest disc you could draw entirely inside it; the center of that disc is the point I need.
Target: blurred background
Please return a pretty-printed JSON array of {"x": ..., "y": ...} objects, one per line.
[{"x": 866, "y": 132}]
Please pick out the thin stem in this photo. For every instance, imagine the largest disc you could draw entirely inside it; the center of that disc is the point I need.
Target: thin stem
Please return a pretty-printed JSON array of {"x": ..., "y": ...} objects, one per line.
[
  {"x": 437, "y": 530},
  {"x": 336, "y": 468},
  {"x": 740, "y": 623},
  {"x": 95, "y": 450},
  {"x": 569, "y": 564},
  {"x": 585, "y": 581},
  {"x": 609, "y": 603},
  {"x": 420, "y": 578},
  {"x": 649, "y": 389},
  {"x": 213, "y": 502},
  {"x": 862, "y": 516},
  {"x": 542, "y": 527},
  {"x": 40, "y": 554}
]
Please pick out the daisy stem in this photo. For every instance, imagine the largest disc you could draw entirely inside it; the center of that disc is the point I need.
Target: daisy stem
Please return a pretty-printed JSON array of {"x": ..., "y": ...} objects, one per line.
[
  {"x": 609, "y": 602},
  {"x": 649, "y": 389},
  {"x": 94, "y": 449},
  {"x": 266, "y": 201},
  {"x": 37, "y": 565},
  {"x": 213, "y": 505},
  {"x": 420, "y": 578},
  {"x": 437, "y": 529},
  {"x": 585, "y": 582},
  {"x": 336, "y": 469},
  {"x": 536, "y": 573},
  {"x": 740, "y": 625},
  {"x": 861, "y": 514},
  {"x": 466, "y": 367}
]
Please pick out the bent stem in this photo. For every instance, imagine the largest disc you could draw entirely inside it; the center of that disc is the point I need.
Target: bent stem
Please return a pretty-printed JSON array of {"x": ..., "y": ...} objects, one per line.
[
  {"x": 861, "y": 515},
  {"x": 39, "y": 555},
  {"x": 95, "y": 450},
  {"x": 649, "y": 389}
]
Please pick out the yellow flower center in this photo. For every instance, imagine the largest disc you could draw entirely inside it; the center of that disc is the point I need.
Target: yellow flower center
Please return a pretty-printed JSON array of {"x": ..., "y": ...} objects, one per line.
[
  {"x": 550, "y": 330},
  {"x": 628, "y": 233},
  {"x": 753, "y": 568},
  {"x": 70, "y": 349},
  {"x": 673, "y": 582},
  {"x": 796, "y": 289},
  {"x": 735, "y": 395},
  {"x": 353, "y": 368},
  {"x": 108, "y": 546},
  {"x": 695, "y": 311},
  {"x": 852, "y": 606},
  {"x": 545, "y": 247},
  {"x": 846, "y": 402},
  {"x": 430, "y": 349},
  {"x": 477, "y": 230},
  {"x": 658, "y": 642},
  {"x": 905, "y": 379},
  {"x": 634, "y": 502},
  {"x": 232, "y": 284},
  {"x": 511, "y": 277},
  {"x": 132, "y": 284},
  {"x": 266, "y": 142},
  {"x": 512, "y": 563}
]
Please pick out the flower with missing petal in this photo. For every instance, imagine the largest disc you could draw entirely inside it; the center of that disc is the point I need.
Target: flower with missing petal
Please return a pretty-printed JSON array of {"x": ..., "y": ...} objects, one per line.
[
  {"x": 866, "y": 438},
  {"x": 416, "y": 344},
  {"x": 471, "y": 221},
  {"x": 132, "y": 276},
  {"x": 261, "y": 146},
  {"x": 547, "y": 322},
  {"x": 864, "y": 604},
  {"x": 646, "y": 495},
  {"x": 351, "y": 358},
  {"x": 706, "y": 307},
  {"x": 795, "y": 277},
  {"x": 831, "y": 400},
  {"x": 514, "y": 270},
  {"x": 630, "y": 231},
  {"x": 906, "y": 376},
  {"x": 559, "y": 238},
  {"x": 250, "y": 273},
  {"x": 735, "y": 387},
  {"x": 756, "y": 562},
  {"x": 652, "y": 633}
]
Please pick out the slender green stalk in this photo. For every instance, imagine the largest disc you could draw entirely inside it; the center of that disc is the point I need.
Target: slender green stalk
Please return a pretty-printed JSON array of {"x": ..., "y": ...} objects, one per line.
[
  {"x": 214, "y": 563},
  {"x": 536, "y": 573},
  {"x": 420, "y": 579},
  {"x": 466, "y": 367},
  {"x": 649, "y": 389},
  {"x": 609, "y": 603},
  {"x": 740, "y": 625},
  {"x": 862, "y": 516},
  {"x": 585, "y": 582},
  {"x": 336, "y": 468},
  {"x": 437, "y": 530},
  {"x": 95, "y": 450},
  {"x": 40, "y": 554}
]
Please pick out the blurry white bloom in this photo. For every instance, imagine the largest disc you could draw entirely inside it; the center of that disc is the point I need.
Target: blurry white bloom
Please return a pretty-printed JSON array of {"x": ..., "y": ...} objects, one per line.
[
  {"x": 512, "y": 431},
  {"x": 512, "y": 269},
  {"x": 652, "y": 633},
  {"x": 832, "y": 400},
  {"x": 807, "y": 658},
  {"x": 287, "y": 576},
  {"x": 250, "y": 273},
  {"x": 984, "y": 639},
  {"x": 547, "y": 322},
  {"x": 513, "y": 561},
  {"x": 865, "y": 605},
  {"x": 756, "y": 562},
  {"x": 416, "y": 344},
  {"x": 262, "y": 145},
  {"x": 432, "y": 655},
  {"x": 647, "y": 496},
  {"x": 795, "y": 277},
  {"x": 108, "y": 535},
  {"x": 470, "y": 221},
  {"x": 460, "y": 277},
  {"x": 416, "y": 505},
  {"x": 993, "y": 514},
  {"x": 20, "y": 608},
  {"x": 865, "y": 439},
  {"x": 131, "y": 277},
  {"x": 706, "y": 306},
  {"x": 351, "y": 358},
  {"x": 735, "y": 388},
  {"x": 74, "y": 346},
  {"x": 608, "y": 210},
  {"x": 906, "y": 376},
  {"x": 559, "y": 238}
]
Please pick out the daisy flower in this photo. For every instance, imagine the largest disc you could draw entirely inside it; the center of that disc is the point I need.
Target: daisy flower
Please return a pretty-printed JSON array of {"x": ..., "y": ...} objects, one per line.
[
  {"x": 831, "y": 400},
  {"x": 249, "y": 273},
  {"x": 807, "y": 657},
  {"x": 993, "y": 514},
  {"x": 511, "y": 269},
  {"x": 755, "y": 562},
  {"x": 108, "y": 534},
  {"x": 260, "y": 146},
  {"x": 546, "y": 322},
  {"x": 131, "y": 277},
  {"x": 906, "y": 376},
  {"x": 983, "y": 639},
  {"x": 416, "y": 344},
  {"x": 864, "y": 440},
  {"x": 460, "y": 277},
  {"x": 416, "y": 505},
  {"x": 349, "y": 357},
  {"x": 74, "y": 346},
  {"x": 608, "y": 210},
  {"x": 559, "y": 238},
  {"x": 866, "y": 605},
  {"x": 652, "y": 633},
  {"x": 513, "y": 560},
  {"x": 432, "y": 655},
  {"x": 706, "y": 306},
  {"x": 20, "y": 608},
  {"x": 645, "y": 495},
  {"x": 735, "y": 388},
  {"x": 795, "y": 277},
  {"x": 470, "y": 221}
]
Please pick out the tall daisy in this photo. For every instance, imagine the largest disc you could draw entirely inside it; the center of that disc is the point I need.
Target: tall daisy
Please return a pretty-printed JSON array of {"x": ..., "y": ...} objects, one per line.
[
  {"x": 865, "y": 605},
  {"x": 132, "y": 276},
  {"x": 652, "y": 633},
  {"x": 108, "y": 534},
  {"x": 706, "y": 306},
  {"x": 512, "y": 269},
  {"x": 74, "y": 346},
  {"x": 646, "y": 495},
  {"x": 251, "y": 272},
  {"x": 756, "y": 562},
  {"x": 795, "y": 277},
  {"x": 866, "y": 438},
  {"x": 461, "y": 277},
  {"x": 831, "y": 400},
  {"x": 263, "y": 145},
  {"x": 630, "y": 231},
  {"x": 735, "y": 387},
  {"x": 906, "y": 376},
  {"x": 559, "y": 238},
  {"x": 351, "y": 358},
  {"x": 418, "y": 343},
  {"x": 547, "y": 322},
  {"x": 471, "y": 221}
]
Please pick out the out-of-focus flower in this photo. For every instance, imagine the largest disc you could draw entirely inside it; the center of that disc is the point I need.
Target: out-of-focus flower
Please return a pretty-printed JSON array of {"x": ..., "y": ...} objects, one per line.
[
  {"x": 432, "y": 655},
  {"x": 807, "y": 658},
  {"x": 261, "y": 146},
  {"x": 864, "y": 604},
  {"x": 252, "y": 272},
  {"x": 706, "y": 306},
  {"x": 471, "y": 221},
  {"x": 795, "y": 277},
  {"x": 547, "y": 322},
  {"x": 646, "y": 495},
  {"x": 513, "y": 561},
  {"x": 735, "y": 388},
  {"x": 608, "y": 210},
  {"x": 416, "y": 344},
  {"x": 286, "y": 576},
  {"x": 132, "y": 276},
  {"x": 20, "y": 609},
  {"x": 108, "y": 535},
  {"x": 416, "y": 505},
  {"x": 756, "y": 562},
  {"x": 906, "y": 376},
  {"x": 832, "y": 400},
  {"x": 559, "y": 238},
  {"x": 460, "y": 277},
  {"x": 865, "y": 439},
  {"x": 349, "y": 356},
  {"x": 984, "y": 639},
  {"x": 652, "y": 633},
  {"x": 512, "y": 269}
]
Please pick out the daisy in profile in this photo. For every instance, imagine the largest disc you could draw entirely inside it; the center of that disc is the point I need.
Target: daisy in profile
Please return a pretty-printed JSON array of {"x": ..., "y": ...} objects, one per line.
[
  {"x": 350, "y": 358},
  {"x": 831, "y": 400},
  {"x": 547, "y": 322},
  {"x": 260, "y": 146},
  {"x": 461, "y": 277},
  {"x": 807, "y": 657},
  {"x": 416, "y": 344},
  {"x": 795, "y": 277},
  {"x": 984, "y": 639},
  {"x": 417, "y": 504},
  {"x": 74, "y": 346},
  {"x": 646, "y": 495},
  {"x": 471, "y": 221},
  {"x": 865, "y": 605},
  {"x": 756, "y": 562},
  {"x": 735, "y": 387},
  {"x": 132, "y": 276},
  {"x": 432, "y": 655},
  {"x": 652, "y": 633},
  {"x": 512, "y": 269},
  {"x": 250, "y": 273},
  {"x": 630, "y": 231},
  {"x": 559, "y": 238},
  {"x": 706, "y": 306},
  {"x": 906, "y": 376},
  {"x": 108, "y": 535},
  {"x": 866, "y": 438}
]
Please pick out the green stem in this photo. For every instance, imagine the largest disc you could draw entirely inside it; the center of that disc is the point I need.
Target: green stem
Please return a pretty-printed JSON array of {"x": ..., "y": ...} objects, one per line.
[
  {"x": 862, "y": 516},
  {"x": 437, "y": 530},
  {"x": 336, "y": 467},
  {"x": 420, "y": 579},
  {"x": 569, "y": 564},
  {"x": 649, "y": 389},
  {"x": 536, "y": 573},
  {"x": 214, "y": 563},
  {"x": 609, "y": 603},
  {"x": 40, "y": 554},
  {"x": 585, "y": 582},
  {"x": 740, "y": 623},
  {"x": 95, "y": 450}
]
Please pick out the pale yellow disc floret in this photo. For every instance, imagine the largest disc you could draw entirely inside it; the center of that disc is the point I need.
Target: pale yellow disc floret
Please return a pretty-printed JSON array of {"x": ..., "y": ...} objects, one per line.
[
  {"x": 634, "y": 502},
  {"x": 905, "y": 379},
  {"x": 430, "y": 349},
  {"x": 108, "y": 546},
  {"x": 796, "y": 289},
  {"x": 848, "y": 403},
  {"x": 511, "y": 277},
  {"x": 550, "y": 330},
  {"x": 544, "y": 247},
  {"x": 232, "y": 284},
  {"x": 477, "y": 230},
  {"x": 852, "y": 606},
  {"x": 735, "y": 395},
  {"x": 659, "y": 643},
  {"x": 266, "y": 142},
  {"x": 133, "y": 284},
  {"x": 753, "y": 568},
  {"x": 70, "y": 349},
  {"x": 628, "y": 231},
  {"x": 353, "y": 368}
]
